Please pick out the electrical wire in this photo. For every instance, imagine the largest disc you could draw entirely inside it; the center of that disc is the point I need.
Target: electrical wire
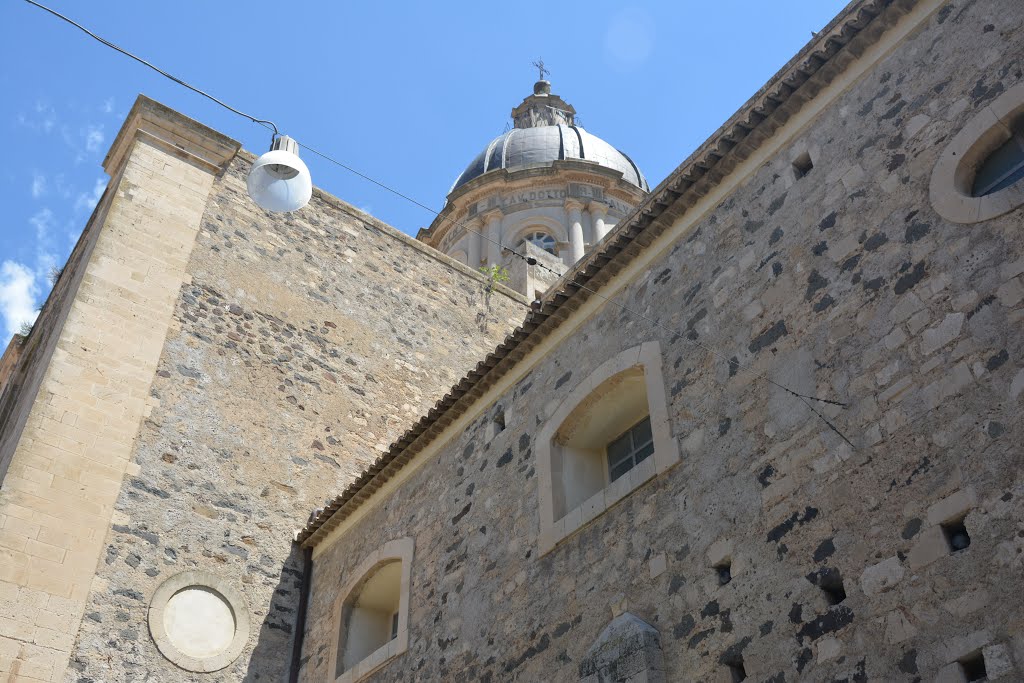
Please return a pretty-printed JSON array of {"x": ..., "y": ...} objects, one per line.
[
  {"x": 531, "y": 261},
  {"x": 263, "y": 122}
]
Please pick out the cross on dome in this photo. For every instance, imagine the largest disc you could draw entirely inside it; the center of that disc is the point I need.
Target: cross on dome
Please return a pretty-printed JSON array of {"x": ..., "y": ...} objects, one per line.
[{"x": 541, "y": 70}]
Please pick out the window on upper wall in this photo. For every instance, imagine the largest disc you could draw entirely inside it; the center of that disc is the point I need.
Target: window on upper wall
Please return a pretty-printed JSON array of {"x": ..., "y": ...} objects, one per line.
[
  {"x": 629, "y": 450},
  {"x": 606, "y": 438},
  {"x": 978, "y": 176},
  {"x": 1004, "y": 166},
  {"x": 541, "y": 239},
  {"x": 368, "y": 616},
  {"x": 372, "y": 612}
]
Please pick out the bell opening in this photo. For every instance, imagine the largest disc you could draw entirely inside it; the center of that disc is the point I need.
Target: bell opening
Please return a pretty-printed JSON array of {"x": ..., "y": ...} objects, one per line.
[{"x": 281, "y": 171}]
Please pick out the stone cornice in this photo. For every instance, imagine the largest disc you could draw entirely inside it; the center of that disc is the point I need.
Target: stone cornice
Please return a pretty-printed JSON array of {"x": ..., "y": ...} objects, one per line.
[{"x": 173, "y": 132}]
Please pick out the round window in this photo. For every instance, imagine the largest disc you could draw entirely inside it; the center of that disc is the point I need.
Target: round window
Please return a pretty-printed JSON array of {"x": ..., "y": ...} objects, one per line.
[
  {"x": 199, "y": 621},
  {"x": 542, "y": 240}
]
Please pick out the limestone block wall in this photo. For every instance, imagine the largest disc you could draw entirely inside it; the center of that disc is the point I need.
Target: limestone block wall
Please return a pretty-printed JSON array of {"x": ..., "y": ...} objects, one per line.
[
  {"x": 845, "y": 284},
  {"x": 299, "y": 348},
  {"x": 82, "y": 394}
]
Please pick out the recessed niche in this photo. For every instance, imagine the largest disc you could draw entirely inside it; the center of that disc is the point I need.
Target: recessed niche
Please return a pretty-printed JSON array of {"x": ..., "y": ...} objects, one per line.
[
  {"x": 497, "y": 424},
  {"x": 736, "y": 671},
  {"x": 973, "y": 666},
  {"x": 802, "y": 165},
  {"x": 956, "y": 535},
  {"x": 723, "y": 570},
  {"x": 830, "y": 581}
]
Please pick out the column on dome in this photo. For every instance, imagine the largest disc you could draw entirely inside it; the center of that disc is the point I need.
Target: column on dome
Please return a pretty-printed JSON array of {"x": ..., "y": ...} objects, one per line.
[
  {"x": 475, "y": 242},
  {"x": 575, "y": 210},
  {"x": 493, "y": 233},
  {"x": 598, "y": 212}
]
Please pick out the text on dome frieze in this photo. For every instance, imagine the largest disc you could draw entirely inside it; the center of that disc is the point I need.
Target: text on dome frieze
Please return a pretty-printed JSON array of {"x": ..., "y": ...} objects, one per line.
[
  {"x": 533, "y": 196},
  {"x": 551, "y": 194}
]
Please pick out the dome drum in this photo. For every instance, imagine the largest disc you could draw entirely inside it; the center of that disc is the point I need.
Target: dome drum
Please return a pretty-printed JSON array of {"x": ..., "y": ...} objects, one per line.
[{"x": 545, "y": 186}]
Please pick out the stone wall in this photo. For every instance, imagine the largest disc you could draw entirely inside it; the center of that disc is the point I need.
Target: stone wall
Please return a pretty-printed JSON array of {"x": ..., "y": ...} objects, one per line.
[
  {"x": 301, "y": 346},
  {"x": 843, "y": 284},
  {"x": 73, "y": 406}
]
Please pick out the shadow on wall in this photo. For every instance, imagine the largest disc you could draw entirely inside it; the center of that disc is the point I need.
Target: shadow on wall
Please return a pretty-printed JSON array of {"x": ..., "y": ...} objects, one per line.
[{"x": 271, "y": 658}]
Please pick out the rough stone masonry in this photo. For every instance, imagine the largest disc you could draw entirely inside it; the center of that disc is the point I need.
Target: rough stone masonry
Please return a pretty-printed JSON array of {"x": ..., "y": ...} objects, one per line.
[
  {"x": 206, "y": 375},
  {"x": 880, "y": 539},
  {"x": 240, "y": 366}
]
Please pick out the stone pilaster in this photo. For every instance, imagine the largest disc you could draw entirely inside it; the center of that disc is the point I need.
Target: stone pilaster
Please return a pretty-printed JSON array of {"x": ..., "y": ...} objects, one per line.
[{"x": 75, "y": 444}]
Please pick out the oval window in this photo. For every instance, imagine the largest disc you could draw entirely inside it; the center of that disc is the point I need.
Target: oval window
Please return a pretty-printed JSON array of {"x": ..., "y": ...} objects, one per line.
[
  {"x": 1004, "y": 166},
  {"x": 977, "y": 177}
]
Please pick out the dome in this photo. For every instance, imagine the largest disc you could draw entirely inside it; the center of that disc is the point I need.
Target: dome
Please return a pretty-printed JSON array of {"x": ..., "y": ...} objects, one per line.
[{"x": 525, "y": 147}]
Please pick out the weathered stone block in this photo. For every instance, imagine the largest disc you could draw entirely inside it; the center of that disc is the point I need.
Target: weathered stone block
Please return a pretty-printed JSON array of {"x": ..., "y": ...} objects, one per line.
[
  {"x": 998, "y": 663},
  {"x": 953, "y": 507},
  {"x": 628, "y": 649},
  {"x": 930, "y": 546},
  {"x": 881, "y": 577}
]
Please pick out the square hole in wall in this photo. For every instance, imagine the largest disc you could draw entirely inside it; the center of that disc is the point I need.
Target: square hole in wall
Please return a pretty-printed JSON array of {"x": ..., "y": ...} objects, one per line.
[
  {"x": 724, "y": 572},
  {"x": 956, "y": 535},
  {"x": 802, "y": 165},
  {"x": 973, "y": 666},
  {"x": 496, "y": 425},
  {"x": 830, "y": 581}
]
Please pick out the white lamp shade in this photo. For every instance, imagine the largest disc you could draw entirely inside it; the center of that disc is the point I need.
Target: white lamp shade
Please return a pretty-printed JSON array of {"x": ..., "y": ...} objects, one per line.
[{"x": 279, "y": 181}]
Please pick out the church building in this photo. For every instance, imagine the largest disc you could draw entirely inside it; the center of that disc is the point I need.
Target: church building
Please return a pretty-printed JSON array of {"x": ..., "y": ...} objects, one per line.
[
  {"x": 760, "y": 422},
  {"x": 546, "y": 190}
]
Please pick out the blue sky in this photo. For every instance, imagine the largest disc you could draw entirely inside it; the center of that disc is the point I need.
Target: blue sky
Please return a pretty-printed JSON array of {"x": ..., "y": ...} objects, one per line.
[{"x": 405, "y": 92}]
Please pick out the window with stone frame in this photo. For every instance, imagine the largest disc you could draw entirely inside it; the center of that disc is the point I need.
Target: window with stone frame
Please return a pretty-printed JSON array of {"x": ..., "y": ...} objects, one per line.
[
  {"x": 630, "y": 449},
  {"x": 372, "y": 611},
  {"x": 979, "y": 174},
  {"x": 608, "y": 436},
  {"x": 1004, "y": 166}
]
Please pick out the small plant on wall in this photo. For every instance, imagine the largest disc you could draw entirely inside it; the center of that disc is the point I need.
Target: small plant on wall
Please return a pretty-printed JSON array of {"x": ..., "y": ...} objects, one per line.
[{"x": 495, "y": 274}]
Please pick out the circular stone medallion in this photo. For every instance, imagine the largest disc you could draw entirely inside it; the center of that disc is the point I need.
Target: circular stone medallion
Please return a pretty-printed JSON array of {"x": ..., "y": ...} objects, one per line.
[{"x": 199, "y": 621}]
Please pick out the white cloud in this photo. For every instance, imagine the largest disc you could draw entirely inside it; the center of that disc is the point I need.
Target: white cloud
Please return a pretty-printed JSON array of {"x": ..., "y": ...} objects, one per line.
[
  {"x": 18, "y": 289},
  {"x": 42, "y": 221},
  {"x": 42, "y": 120},
  {"x": 93, "y": 138},
  {"x": 87, "y": 201},
  {"x": 108, "y": 106},
  {"x": 38, "y": 185},
  {"x": 47, "y": 116},
  {"x": 46, "y": 259},
  {"x": 61, "y": 186}
]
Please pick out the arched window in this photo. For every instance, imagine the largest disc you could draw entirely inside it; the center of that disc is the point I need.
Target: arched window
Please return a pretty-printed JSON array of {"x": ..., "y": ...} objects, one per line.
[
  {"x": 541, "y": 239},
  {"x": 372, "y": 612},
  {"x": 978, "y": 175},
  {"x": 608, "y": 436},
  {"x": 1004, "y": 166}
]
